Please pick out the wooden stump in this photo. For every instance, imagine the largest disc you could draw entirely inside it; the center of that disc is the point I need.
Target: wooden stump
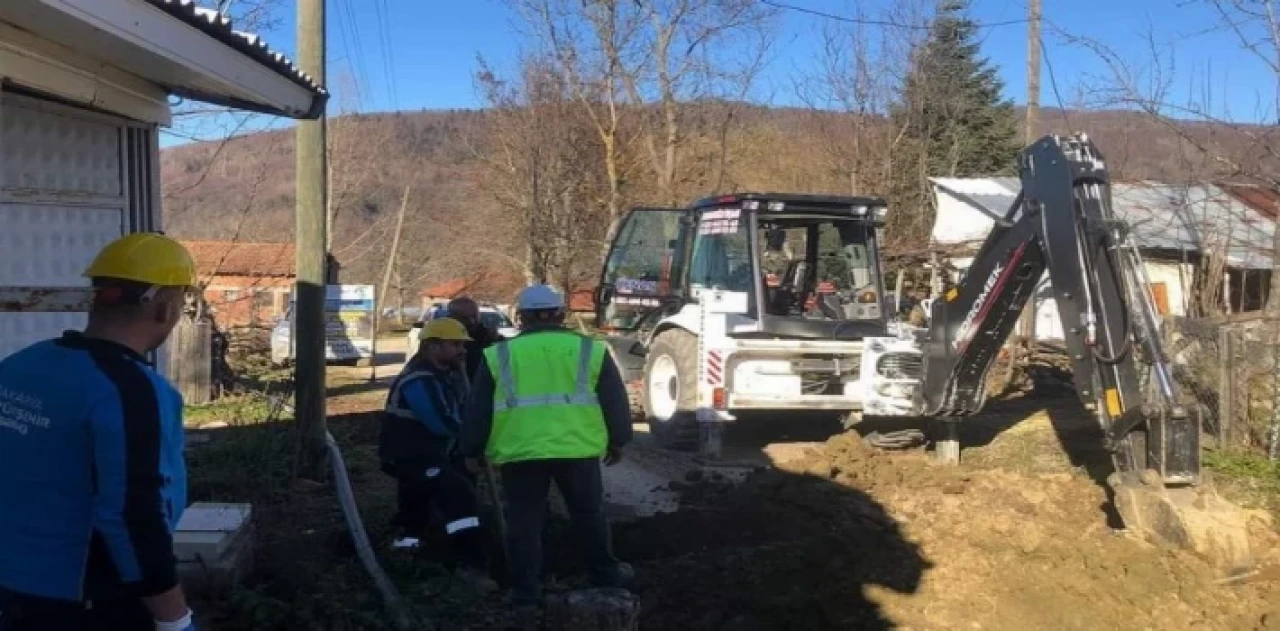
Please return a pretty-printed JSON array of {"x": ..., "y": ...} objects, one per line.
[{"x": 608, "y": 609}]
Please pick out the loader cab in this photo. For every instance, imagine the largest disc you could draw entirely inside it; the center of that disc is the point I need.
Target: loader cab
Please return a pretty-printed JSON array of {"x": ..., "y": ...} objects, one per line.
[{"x": 800, "y": 266}]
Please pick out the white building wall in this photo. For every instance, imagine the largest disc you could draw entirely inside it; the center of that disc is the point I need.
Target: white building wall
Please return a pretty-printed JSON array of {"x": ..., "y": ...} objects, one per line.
[
  {"x": 1049, "y": 325},
  {"x": 70, "y": 181},
  {"x": 958, "y": 221},
  {"x": 1176, "y": 278}
]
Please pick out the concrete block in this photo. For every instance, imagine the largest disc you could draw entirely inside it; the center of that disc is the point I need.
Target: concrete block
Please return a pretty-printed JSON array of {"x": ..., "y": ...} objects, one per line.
[
  {"x": 207, "y": 530},
  {"x": 201, "y": 576},
  {"x": 214, "y": 545}
]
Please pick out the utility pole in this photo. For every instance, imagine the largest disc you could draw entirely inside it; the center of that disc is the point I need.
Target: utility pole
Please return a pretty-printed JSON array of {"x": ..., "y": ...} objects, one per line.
[
  {"x": 312, "y": 253},
  {"x": 395, "y": 245},
  {"x": 386, "y": 282},
  {"x": 1021, "y": 352},
  {"x": 1033, "y": 71}
]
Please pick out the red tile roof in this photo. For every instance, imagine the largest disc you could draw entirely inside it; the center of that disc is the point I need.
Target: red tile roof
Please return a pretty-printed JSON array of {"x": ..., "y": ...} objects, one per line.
[
  {"x": 582, "y": 299},
  {"x": 1261, "y": 199},
  {"x": 503, "y": 288},
  {"x": 485, "y": 286},
  {"x": 448, "y": 289},
  {"x": 226, "y": 258}
]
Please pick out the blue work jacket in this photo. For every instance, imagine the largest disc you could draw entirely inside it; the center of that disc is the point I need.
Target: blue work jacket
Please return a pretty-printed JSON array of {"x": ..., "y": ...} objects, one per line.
[
  {"x": 422, "y": 415},
  {"x": 92, "y": 475}
]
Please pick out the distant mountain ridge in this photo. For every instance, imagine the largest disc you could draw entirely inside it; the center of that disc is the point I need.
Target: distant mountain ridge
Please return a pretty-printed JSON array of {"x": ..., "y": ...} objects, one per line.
[{"x": 244, "y": 189}]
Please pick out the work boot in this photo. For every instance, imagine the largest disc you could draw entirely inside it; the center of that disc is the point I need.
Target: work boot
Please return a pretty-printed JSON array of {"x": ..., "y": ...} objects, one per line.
[
  {"x": 619, "y": 574},
  {"x": 477, "y": 578},
  {"x": 526, "y": 618},
  {"x": 516, "y": 601}
]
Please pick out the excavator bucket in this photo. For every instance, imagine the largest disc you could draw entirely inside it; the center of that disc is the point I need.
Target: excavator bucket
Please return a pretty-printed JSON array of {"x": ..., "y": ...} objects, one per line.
[{"x": 1191, "y": 517}]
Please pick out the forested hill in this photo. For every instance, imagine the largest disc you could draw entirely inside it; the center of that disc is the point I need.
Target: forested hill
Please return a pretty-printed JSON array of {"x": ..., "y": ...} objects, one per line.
[{"x": 243, "y": 189}]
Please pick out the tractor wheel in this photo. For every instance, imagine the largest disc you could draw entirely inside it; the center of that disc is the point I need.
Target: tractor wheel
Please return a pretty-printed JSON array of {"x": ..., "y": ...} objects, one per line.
[{"x": 670, "y": 390}]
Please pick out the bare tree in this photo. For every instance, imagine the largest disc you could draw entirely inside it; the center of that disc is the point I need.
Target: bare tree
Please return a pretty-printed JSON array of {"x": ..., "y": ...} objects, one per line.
[
  {"x": 578, "y": 36},
  {"x": 354, "y": 144},
  {"x": 858, "y": 72},
  {"x": 637, "y": 69},
  {"x": 679, "y": 59},
  {"x": 539, "y": 155}
]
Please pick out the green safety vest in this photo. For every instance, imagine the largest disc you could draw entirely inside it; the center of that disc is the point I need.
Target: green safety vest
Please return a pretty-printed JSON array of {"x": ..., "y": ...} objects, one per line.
[{"x": 544, "y": 403}]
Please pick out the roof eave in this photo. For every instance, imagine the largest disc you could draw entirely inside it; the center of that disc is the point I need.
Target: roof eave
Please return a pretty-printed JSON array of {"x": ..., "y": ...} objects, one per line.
[
  {"x": 172, "y": 44},
  {"x": 301, "y": 110},
  {"x": 309, "y": 105}
]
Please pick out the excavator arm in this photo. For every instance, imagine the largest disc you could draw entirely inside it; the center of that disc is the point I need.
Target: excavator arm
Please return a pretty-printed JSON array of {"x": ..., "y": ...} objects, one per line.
[{"x": 1062, "y": 224}]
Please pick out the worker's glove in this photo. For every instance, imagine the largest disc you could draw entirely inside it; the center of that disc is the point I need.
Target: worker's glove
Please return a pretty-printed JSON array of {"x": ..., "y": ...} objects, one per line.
[
  {"x": 612, "y": 457},
  {"x": 185, "y": 623}
]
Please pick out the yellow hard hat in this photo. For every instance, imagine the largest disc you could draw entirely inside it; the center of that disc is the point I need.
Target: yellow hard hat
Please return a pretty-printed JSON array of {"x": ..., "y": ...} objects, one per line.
[
  {"x": 444, "y": 329},
  {"x": 145, "y": 257}
]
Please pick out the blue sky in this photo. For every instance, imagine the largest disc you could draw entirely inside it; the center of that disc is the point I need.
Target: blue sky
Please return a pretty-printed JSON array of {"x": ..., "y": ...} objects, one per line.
[{"x": 433, "y": 45}]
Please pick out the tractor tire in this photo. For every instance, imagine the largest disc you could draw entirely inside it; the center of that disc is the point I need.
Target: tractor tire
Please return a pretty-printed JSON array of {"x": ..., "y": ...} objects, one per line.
[
  {"x": 670, "y": 390},
  {"x": 635, "y": 387}
]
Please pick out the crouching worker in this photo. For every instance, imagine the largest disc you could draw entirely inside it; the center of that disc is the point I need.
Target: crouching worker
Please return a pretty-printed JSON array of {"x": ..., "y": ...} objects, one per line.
[
  {"x": 92, "y": 474},
  {"x": 417, "y": 447}
]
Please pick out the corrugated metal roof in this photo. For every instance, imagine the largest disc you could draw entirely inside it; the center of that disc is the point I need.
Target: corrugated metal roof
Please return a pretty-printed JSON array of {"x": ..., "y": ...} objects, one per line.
[
  {"x": 992, "y": 195},
  {"x": 220, "y": 27},
  {"x": 1161, "y": 216}
]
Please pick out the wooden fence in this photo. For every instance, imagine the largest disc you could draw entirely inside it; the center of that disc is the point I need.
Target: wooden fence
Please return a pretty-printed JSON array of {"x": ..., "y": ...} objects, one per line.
[
  {"x": 1230, "y": 367},
  {"x": 190, "y": 366}
]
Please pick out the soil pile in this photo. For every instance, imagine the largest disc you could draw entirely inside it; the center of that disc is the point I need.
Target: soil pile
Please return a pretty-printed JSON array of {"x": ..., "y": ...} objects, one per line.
[{"x": 852, "y": 538}]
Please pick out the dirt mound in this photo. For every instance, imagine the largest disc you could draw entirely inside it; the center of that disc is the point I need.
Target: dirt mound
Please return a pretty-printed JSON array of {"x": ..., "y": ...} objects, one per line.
[{"x": 852, "y": 538}]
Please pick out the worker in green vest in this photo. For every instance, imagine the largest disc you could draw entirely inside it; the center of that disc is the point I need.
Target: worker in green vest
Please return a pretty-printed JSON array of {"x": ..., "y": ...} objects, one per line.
[{"x": 548, "y": 405}]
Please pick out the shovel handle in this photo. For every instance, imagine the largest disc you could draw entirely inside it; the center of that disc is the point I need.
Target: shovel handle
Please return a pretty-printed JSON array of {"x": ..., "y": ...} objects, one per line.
[{"x": 495, "y": 498}]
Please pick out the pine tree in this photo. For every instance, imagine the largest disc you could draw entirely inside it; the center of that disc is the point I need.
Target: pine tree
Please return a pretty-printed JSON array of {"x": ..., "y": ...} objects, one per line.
[{"x": 954, "y": 121}]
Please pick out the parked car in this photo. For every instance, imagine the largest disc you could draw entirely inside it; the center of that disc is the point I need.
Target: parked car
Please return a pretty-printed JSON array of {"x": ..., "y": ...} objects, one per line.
[{"x": 490, "y": 316}]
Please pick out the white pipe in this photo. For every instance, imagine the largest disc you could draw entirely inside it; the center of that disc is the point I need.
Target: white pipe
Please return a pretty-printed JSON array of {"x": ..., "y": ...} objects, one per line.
[
  {"x": 346, "y": 497},
  {"x": 360, "y": 538}
]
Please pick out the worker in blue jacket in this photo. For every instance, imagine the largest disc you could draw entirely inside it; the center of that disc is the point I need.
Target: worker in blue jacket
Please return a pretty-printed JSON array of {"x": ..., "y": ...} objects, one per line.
[
  {"x": 418, "y": 447},
  {"x": 92, "y": 476}
]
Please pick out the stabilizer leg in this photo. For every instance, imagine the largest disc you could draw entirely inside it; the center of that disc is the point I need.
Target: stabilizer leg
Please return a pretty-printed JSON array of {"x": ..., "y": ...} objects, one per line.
[
  {"x": 947, "y": 449},
  {"x": 710, "y": 440}
]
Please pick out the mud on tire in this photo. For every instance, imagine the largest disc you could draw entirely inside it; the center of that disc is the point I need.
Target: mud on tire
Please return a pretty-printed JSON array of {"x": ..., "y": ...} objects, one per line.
[{"x": 678, "y": 430}]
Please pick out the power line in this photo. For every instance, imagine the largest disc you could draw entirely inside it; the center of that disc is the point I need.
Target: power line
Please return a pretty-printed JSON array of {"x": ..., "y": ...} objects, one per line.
[
  {"x": 354, "y": 23},
  {"x": 353, "y": 61},
  {"x": 1053, "y": 83},
  {"x": 384, "y": 36},
  {"x": 870, "y": 22}
]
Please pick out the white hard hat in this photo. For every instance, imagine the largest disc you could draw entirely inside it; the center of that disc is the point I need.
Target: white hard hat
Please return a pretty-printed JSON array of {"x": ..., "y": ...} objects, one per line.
[{"x": 539, "y": 297}]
